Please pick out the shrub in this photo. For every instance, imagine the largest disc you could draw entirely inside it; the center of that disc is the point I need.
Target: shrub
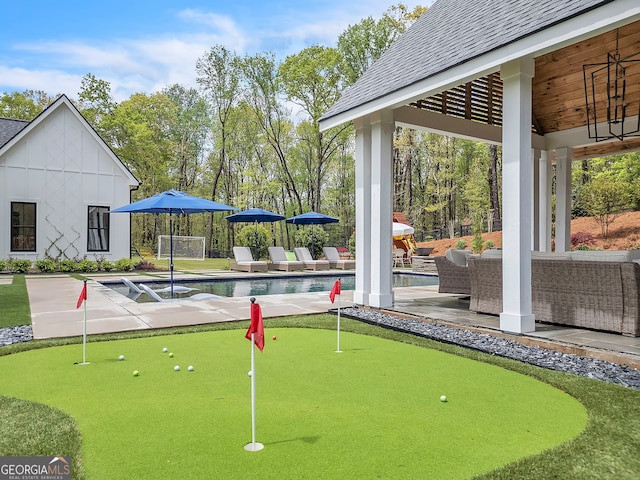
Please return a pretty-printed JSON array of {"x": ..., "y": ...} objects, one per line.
[
  {"x": 460, "y": 245},
  {"x": 477, "y": 243},
  {"x": 352, "y": 243},
  {"x": 106, "y": 265},
  {"x": 257, "y": 238},
  {"x": 489, "y": 244},
  {"x": 87, "y": 266},
  {"x": 125, "y": 265},
  {"x": 145, "y": 265},
  {"x": 313, "y": 237},
  {"x": 18, "y": 265},
  {"x": 4, "y": 265},
  {"x": 46, "y": 265},
  {"x": 68, "y": 265},
  {"x": 582, "y": 239}
]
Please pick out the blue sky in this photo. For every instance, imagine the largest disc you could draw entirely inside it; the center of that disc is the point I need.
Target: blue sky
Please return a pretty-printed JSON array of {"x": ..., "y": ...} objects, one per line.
[{"x": 142, "y": 46}]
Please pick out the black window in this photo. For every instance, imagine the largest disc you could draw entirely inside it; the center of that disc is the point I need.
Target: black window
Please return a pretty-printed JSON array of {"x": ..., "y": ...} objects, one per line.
[
  {"x": 98, "y": 229},
  {"x": 23, "y": 227}
]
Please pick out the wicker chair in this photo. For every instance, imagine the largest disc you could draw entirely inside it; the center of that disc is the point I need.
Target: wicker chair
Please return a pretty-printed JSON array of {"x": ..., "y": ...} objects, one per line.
[{"x": 453, "y": 278}]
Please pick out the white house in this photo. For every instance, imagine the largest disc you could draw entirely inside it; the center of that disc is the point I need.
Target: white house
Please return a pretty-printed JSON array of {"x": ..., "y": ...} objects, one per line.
[
  {"x": 58, "y": 181},
  {"x": 531, "y": 76}
]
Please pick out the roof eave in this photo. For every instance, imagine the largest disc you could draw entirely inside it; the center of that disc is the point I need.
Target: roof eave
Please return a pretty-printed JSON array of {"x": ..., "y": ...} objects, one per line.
[{"x": 581, "y": 27}]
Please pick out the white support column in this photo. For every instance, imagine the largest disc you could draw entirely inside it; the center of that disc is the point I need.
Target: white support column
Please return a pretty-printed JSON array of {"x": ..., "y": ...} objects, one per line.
[
  {"x": 363, "y": 211},
  {"x": 535, "y": 212},
  {"x": 382, "y": 127},
  {"x": 563, "y": 199},
  {"x": 517, "y": 197},
  {"x": 545, "y": 207}
]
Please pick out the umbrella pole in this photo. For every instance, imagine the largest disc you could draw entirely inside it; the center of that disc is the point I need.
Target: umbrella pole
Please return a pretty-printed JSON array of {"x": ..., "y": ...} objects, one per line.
[{"x": 171, "y": 252}]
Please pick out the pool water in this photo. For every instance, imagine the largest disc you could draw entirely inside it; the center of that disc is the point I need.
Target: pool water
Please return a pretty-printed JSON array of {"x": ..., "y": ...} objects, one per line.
[{"x": 244, "y": 287}]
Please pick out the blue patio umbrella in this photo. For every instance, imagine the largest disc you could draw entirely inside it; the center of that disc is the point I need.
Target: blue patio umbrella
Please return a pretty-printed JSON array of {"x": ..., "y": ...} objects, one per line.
[
  {"x": 255, "y": 215},
  {"x": 312, "y": 218},
  {"x": 173, "y": 201}
]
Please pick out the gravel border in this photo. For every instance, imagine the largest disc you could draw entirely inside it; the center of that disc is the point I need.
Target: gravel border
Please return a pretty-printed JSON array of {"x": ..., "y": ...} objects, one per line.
[
  {"x": 9, "y": 335},
  {"x": 542, "y": 357}
]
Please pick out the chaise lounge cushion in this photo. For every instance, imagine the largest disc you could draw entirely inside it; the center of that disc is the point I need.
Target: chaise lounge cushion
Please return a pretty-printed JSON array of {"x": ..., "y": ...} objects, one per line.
[
  {"x": 332, "y": 255},
  {"x": 279, "y": 260},
  {"x": 245, "y": 262},
  {"x": 303, "y": 254}
]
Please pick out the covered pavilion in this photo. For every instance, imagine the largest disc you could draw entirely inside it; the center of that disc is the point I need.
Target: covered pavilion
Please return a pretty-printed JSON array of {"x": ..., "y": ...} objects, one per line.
[{"x": 530, "y": 76}]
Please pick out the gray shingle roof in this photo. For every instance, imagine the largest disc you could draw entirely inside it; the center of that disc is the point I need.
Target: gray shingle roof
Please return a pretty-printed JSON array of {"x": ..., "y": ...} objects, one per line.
[
  {"x": 9, "y": 128},
  {"x": 450, "y": 33}
]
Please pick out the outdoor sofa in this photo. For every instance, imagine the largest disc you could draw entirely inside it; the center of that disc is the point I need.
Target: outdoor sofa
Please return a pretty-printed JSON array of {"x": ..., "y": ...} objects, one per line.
[{"x": 598, "y": 290}]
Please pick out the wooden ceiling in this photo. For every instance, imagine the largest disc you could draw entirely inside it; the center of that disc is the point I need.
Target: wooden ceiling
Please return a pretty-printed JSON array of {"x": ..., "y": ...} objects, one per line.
[{"x": 558, "y": 91}]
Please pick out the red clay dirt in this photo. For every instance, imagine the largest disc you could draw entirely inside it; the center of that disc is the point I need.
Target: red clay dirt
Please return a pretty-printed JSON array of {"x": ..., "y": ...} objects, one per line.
[{"x": 624, "y": 234}]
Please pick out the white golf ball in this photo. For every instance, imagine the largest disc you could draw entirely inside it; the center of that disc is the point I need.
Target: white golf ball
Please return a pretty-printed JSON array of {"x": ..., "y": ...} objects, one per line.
[
  {"x": 443, "y": 398},
  {"x": 121, "y": 357},
  {"x": 177, "y": 368},
  {"x": 190, "y": 368},
  {"x": 250, "y": 373},
  {"x": 165, "y": 350}
]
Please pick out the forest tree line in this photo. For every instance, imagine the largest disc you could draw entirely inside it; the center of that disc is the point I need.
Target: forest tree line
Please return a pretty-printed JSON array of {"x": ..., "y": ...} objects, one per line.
[{"x": 248, "y": 136}]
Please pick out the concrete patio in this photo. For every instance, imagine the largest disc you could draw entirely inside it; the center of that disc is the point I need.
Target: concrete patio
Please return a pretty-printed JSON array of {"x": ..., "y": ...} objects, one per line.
[{"x": 54, "y": 314}]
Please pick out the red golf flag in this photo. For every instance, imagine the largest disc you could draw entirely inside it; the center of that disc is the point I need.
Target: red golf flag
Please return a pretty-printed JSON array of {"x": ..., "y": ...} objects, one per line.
[
  {"x": 256, "y": 326},
  {"x": 335, "y": 291},
  {"x": 83, "y": 296}
]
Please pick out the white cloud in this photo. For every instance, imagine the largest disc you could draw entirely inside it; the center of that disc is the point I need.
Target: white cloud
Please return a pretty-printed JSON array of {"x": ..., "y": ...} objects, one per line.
[{"x": 149, "y": 63}]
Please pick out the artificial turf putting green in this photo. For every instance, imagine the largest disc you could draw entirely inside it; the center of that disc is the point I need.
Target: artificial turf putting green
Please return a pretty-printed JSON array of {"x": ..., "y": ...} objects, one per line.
[{"x": 373, "y": 411}]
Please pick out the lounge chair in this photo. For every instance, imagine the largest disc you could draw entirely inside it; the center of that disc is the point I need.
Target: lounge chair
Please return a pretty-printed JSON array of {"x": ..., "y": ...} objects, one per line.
[
  {"x": 245, "y": 262},
  {"x": 158, "y": 298},
  {"x": 279, "y": 261},
  {"x": 332, "y": 255},
  {"x": 303, "y": 255},
  {"x": 176, "y": 288},
  {"x": 132, "y": 286}
]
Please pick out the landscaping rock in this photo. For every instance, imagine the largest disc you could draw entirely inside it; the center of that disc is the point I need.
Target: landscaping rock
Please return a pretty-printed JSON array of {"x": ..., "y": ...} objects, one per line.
[
  {"x": 19, "y": 334},
  {"x": 542, "y": 357}
]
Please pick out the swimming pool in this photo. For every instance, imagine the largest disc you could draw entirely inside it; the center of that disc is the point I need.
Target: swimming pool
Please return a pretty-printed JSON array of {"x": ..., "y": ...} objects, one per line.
[{"x": 244, "y": 287}]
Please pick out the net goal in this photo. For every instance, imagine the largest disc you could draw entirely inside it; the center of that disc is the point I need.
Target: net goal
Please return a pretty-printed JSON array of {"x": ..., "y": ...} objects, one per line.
[{"x": 184, "y": 248}]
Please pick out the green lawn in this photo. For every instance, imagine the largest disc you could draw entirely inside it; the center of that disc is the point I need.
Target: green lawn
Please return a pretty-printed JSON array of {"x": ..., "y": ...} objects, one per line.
[
  {"x": 189, "y": 265},
  {"x": 15, "y": 303},
  {"x": 373, "y": 411}
]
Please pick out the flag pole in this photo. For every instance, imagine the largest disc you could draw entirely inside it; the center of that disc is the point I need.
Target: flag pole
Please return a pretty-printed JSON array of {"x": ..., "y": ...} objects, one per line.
[
  {"x": 84, "y": 328},
  {"x": 253, "y": 446},
  {"x": 338, "y": 349}
]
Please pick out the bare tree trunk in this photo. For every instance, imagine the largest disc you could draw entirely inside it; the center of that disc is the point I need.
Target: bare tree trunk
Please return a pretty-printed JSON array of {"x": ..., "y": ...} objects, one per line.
[{"x": 493, "y": 183}]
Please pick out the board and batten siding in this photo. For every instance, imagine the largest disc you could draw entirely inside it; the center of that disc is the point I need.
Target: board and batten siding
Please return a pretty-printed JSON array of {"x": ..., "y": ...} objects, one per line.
[{"x": 63, "y": 167}]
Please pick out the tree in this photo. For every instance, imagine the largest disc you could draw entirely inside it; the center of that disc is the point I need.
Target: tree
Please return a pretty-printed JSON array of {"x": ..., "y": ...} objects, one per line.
[
  {"x": 138, "y": 131},
  {"x": 24, "y": 106},
  {"x": 605, "y": 198},
  {"x": 311, "y": 79},
  {"x": 95, "y": 100},
  {"x": 362, "y": 44},
  {"x": 262, "y": 94}
]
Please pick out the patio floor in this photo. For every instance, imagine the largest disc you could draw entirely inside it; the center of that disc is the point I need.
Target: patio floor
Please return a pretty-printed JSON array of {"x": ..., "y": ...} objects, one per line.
[{"x": 53, "y": 301}]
